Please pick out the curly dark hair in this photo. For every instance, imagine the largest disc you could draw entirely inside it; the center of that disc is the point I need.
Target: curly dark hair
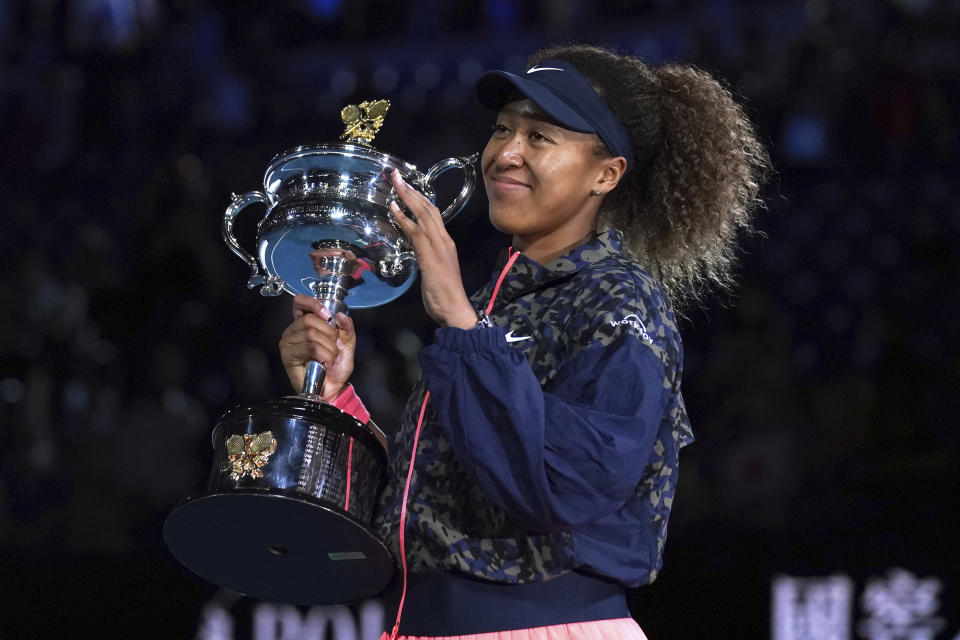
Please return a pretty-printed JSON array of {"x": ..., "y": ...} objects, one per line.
[{"x": 680, "y": 210}]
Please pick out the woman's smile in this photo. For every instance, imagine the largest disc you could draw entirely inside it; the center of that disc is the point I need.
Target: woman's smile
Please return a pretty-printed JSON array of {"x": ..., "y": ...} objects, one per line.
[{"x": 508, "y": 184}]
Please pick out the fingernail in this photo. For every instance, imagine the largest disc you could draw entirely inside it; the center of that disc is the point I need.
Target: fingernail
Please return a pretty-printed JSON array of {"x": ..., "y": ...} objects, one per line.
[{"x": 324, "y": 313}]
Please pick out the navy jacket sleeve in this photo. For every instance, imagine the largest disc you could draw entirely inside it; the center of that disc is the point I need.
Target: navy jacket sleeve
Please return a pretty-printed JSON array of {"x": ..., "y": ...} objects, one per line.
[{"x": 556, "y": 459}]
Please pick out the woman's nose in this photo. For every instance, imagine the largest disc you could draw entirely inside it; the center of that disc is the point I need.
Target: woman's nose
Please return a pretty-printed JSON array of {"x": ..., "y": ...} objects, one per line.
[{"x": 511, "y": 153}]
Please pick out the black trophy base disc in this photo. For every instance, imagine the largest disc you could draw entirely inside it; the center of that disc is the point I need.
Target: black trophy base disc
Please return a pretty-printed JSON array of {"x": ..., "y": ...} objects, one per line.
[{"x": 278, "y": 548}]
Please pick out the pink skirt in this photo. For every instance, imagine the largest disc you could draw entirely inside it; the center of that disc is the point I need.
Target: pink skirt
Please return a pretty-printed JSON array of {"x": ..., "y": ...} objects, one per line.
[{"x": 618, "y": 629}]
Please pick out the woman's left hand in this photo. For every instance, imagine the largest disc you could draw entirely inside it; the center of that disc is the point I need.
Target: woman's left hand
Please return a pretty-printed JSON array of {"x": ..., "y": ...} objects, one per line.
[{"x": 444, "y": 297}]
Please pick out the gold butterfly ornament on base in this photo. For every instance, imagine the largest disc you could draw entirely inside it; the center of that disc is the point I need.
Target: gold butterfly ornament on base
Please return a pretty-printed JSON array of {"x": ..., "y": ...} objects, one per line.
[{"x": 247, "y": 454}]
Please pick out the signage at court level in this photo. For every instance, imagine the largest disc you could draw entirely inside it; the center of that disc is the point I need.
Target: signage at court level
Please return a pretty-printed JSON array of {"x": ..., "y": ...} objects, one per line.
[
  {"x": 228, "y": 616},
  {"x": 896, "y": 606}
]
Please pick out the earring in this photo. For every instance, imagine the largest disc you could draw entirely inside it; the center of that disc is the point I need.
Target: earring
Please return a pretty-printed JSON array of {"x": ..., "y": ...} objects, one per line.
[{"x": 596, "y": 193}]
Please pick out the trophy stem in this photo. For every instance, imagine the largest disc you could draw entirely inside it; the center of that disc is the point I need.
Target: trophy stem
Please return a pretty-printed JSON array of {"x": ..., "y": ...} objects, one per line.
[
  {"x": 313, "y": 379},
  {"x": 336, "y": 267}
]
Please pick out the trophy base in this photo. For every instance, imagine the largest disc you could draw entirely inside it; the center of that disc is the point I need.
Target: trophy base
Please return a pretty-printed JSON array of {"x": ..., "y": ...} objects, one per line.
[{"x": 279, "y": 547}]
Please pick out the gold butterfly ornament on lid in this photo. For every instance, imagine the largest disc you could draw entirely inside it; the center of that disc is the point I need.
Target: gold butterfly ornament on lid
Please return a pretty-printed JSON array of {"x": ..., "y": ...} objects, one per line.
[{"x": 363, "y": 120}]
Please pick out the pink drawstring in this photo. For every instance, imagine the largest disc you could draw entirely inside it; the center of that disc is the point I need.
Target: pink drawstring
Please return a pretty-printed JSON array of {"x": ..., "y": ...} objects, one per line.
[
  {"x": 403, "y": 515},
  {"x": 511, "y": 258}
]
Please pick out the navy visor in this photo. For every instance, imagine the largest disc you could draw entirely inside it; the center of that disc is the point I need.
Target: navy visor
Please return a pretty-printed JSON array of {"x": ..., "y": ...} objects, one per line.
[{"x": 564, "y": 94}]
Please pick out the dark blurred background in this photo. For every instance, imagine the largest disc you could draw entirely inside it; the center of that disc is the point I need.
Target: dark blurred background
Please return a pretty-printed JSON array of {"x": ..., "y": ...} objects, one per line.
[{"x": 824, "y": 394}]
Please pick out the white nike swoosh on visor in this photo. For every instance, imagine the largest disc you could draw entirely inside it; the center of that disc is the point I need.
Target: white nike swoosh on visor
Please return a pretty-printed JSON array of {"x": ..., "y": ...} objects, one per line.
[
  {"x": 512, "y": 338},
  {"x": 535, "y": 69}
]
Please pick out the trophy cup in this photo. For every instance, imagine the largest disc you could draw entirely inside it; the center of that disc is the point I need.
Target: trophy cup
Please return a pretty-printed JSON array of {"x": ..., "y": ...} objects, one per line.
[{"x": 287, "y": 510}]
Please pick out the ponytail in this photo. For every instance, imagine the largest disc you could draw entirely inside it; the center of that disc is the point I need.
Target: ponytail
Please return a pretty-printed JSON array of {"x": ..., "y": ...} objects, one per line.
[{"x": 682, "y": 210}]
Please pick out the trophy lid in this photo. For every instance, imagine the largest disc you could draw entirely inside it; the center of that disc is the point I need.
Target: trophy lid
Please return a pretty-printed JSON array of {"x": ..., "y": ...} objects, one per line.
[{"x": 342, "y": 158}]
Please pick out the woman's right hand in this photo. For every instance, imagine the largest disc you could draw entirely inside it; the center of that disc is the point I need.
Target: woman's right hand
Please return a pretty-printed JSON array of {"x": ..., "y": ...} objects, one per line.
[{"x": 311, "y": 337}]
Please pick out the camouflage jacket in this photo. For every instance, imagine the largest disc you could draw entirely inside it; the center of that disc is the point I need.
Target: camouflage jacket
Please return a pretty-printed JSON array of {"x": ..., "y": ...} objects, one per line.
[{"x": 550, "y": 441}]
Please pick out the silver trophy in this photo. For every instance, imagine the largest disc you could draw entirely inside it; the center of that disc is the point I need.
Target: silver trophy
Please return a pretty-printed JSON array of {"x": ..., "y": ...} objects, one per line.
[{"x": 287, "y": 510}]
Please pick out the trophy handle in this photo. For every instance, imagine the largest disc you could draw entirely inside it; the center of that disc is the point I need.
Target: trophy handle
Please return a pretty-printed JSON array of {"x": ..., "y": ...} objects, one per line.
[
  {"x": 469, "y": 181},
  {"x": 269, "y": 285}
]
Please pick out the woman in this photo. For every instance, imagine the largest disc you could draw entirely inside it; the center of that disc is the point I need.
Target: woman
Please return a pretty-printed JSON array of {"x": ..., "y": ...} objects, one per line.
[{"x": 548, "y": 421}]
